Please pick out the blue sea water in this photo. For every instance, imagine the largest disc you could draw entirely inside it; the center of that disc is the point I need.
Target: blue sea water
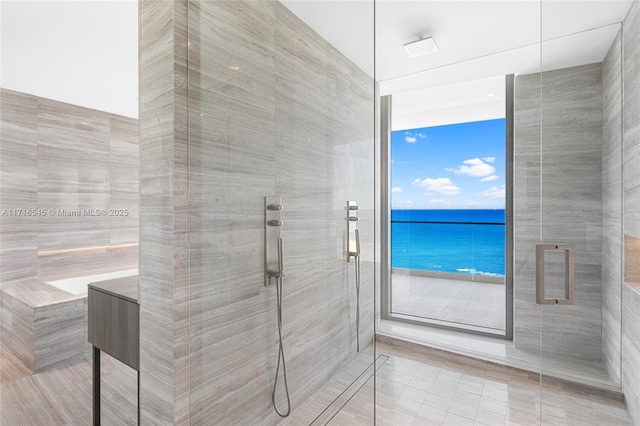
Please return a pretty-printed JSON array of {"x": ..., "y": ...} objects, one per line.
[{"x": 460, "y": 241}]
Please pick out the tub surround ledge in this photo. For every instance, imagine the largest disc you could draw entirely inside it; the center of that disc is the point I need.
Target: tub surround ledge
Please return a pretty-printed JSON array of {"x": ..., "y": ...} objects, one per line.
[{"x": 43, "y": 325}]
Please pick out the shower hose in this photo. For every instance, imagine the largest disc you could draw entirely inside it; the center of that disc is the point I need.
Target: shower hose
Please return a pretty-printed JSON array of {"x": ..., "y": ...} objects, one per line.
[
  {"x": 280, "y": 352},
  {"x": 357, "y": 267},
  {"x": 356, "y": 257}
]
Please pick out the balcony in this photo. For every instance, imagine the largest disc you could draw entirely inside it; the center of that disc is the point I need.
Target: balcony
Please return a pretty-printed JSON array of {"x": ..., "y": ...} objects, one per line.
[
  {"x": 457, "y": 301},
  {"x": 449, "y": 273}
]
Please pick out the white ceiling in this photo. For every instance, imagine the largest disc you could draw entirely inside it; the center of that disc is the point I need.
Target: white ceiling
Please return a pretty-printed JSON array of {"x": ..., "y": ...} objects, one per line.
[
  {"x": 479, "y": 41},
  {"x": 425, "y": 99},
  {"x": 85, "y": 51},
  {"x": 464, "y": 30}
]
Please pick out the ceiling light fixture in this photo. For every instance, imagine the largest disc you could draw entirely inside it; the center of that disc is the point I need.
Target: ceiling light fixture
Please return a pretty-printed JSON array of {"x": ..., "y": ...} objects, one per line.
[{"x": 421, "y": 47}]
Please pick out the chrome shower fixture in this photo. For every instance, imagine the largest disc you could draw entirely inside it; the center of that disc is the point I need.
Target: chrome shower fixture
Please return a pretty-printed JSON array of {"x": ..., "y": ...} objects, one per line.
[
  {"x": 353, "y": 245},
  {"x": 273, "y": 263},
  {"x": 274, "y": 269},
  {"x": 353, "y": 251}
]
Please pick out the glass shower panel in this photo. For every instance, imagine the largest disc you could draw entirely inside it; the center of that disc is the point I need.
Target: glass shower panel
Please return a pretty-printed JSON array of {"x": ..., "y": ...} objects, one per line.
[
  {"x": 579, "y": 212},
  {"x": 276, "y": 110}
]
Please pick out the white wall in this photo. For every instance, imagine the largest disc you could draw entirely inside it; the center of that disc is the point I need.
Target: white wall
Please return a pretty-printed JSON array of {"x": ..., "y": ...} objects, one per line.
[{"x": 80, "y": 52}]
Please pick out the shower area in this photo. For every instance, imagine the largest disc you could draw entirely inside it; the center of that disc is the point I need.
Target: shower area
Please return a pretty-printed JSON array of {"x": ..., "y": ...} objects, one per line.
[
  {"x": 259, "y": 272},
  {"x": 259, "y": 184},
  {"x": 262, "y": 192},
  {"x": 571, "y": 123}
]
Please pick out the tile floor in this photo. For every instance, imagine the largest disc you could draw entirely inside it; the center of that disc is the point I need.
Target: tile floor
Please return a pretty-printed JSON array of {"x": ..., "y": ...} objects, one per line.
[
  {"x": 429, "y": 387},
  {"x": 500, "y": 351},
  {"x": 62, "y": 394},
  {"x": 415, "y": 385}
]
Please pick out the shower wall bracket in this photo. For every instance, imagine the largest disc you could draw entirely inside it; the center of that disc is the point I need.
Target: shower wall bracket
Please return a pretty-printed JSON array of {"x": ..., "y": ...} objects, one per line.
[
  {"x": 353, "y": 240},
  {"x": 273, "y": 262}
]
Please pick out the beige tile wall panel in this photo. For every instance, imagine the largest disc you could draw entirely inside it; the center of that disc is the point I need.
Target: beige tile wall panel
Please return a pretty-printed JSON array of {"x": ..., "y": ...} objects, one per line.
[
  {"x": 163, "y": 288},
  {"x": 571, "y": 209},
  {"x": 123, "y": 180},
  {"x": 612, "y": 208},
  {"x": 631, "y": 350},
  {"x": 18, "y": 175},
  {"x": 631, "y": 212},
  {"x": 57, "y": 156},
  {"x": 287, "y": 124},
  {"x": 631, "y": 123}
]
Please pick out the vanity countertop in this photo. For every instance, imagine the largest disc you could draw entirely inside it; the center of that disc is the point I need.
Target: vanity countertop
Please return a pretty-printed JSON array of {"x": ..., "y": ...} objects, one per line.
[{"x": 124, "y": 288}]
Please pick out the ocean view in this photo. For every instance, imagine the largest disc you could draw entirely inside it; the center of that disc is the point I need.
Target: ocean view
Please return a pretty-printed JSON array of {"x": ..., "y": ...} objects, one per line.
[{"x": 456, "y": 241}]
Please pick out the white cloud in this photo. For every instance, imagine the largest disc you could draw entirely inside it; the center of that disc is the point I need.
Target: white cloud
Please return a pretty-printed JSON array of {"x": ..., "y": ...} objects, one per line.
[
  {"x": 412, "y": 137},
  {"x": 396, "y": 189},
  {"x": 439, "y": 202},
  {"x": 473, "y": 167},
  {"x": 441, "y": 185},
  {"x": 489, "y": 178},
  {"x": 493, "y": 192},
  {"x": 415, "y": 181},
  {"x": 489, "y": 159}
]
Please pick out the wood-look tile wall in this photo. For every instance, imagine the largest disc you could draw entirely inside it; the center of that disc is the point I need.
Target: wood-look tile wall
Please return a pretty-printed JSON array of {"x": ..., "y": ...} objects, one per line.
[
  {"x": 631, "y": 213},
  {"x": 19, "y": 185},
  {"x": 570, "y": 209},
  {"x": 56, "y": 156},
  {"x": 620, "y": 151},
  {"x": 612, "y": 209},
  {"x": 294, "y": 120},
  {"x": 631, "y": 350},
  {"x": 163, "y": 278}
]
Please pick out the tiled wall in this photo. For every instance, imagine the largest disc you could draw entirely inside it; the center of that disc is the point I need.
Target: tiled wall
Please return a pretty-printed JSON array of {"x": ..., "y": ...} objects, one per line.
[
  {"x": 163, "y": 280},
  {"x": 620, "y": 306},
  {"x": 295, "y": 120},
  {"x": 19, "y": 185},
  {"x": 631, "y": 214},
  {"x": 612, "y": 208},
  {"x": 631, "y": 351},
  {"x": 570, "y": 209},
  {"x": 273, "y": 109},
  {"x": 70, "y": 164}
]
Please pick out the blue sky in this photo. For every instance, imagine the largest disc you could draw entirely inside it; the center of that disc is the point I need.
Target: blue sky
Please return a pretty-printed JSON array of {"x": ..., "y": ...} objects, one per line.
[{"x": 457, "y": 166}]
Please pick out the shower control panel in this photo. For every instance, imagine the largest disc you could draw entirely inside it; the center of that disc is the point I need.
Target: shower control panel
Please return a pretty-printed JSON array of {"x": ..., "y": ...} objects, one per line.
[
  {"x": 273, "y": 262},
  {"x": 353, "y": 235}
]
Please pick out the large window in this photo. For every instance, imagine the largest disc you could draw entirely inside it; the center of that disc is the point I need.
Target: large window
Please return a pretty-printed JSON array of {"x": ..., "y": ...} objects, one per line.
[{"x": 448, "y": 224}]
